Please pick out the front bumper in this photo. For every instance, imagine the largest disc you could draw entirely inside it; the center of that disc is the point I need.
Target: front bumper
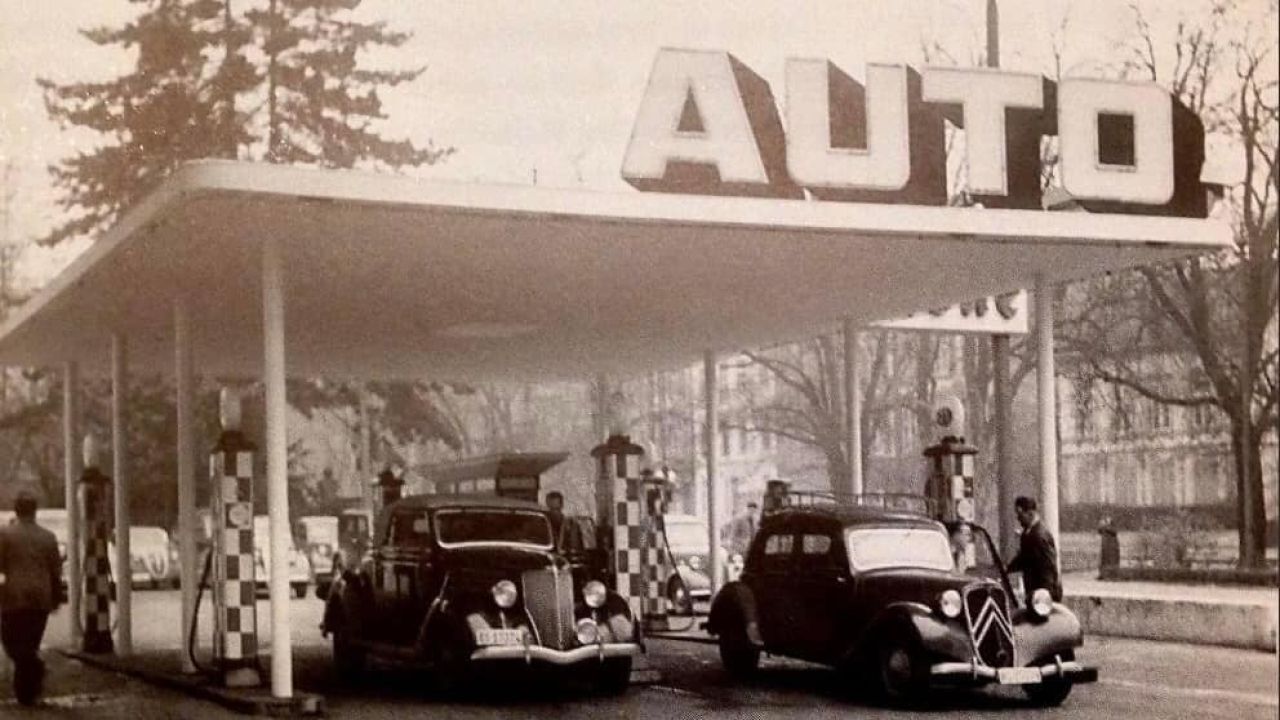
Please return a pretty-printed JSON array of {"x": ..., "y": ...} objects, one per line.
[
  {"x": 531, "y": 653},
  {"x": 971, "y": 673}
]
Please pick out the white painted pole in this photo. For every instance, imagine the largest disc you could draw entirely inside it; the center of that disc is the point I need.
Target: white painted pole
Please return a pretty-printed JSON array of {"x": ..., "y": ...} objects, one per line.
[
  {"x": 710, "y": 392},
  {"x": 184, "y": 376},
  {"x": 1048, "y": 407},
  {"x": 853, "y": 406},
  {"x": 120, "y": 476},
  {"x": 277, "y": 470},
  {"x": 71, "y": 475}
]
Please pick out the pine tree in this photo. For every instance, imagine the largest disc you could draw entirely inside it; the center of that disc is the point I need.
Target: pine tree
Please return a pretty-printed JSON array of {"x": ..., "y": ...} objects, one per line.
[
  {"x": 162, "y": 113},
  {"x": 322, "y": 105},
  {"x": 194, "y": 93}
]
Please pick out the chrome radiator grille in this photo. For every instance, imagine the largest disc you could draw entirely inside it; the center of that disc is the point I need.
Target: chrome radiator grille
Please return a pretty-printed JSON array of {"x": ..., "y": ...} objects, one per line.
[
  {"x": 986, "y": 610},
  {"x": 548, "y": 596}
]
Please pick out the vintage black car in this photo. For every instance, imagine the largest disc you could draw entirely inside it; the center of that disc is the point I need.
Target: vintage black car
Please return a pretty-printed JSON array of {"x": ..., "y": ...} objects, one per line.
[
  {"x": 876, "y": 594},
  {"x": 456, "y": 582}
]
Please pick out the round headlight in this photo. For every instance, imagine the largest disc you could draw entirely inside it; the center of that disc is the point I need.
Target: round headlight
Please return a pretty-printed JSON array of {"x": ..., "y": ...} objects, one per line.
[
  {"x": 588, "y": 631},
  {"x": 504, "y": 593},
  {"x": 593, "y": 593},
  {"x": 949, "y": 604},
  {"x": 1041, "y": 602},
  {"x": 695, "y": 563}
]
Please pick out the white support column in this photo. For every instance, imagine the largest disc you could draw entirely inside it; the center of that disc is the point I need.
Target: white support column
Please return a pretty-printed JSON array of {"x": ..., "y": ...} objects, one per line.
[
  {"x": 277, "y": 469},
  {"x": 1048, "y": 407},
  {"x": 71, "y": 476},
  {"x": 184, "y": 376},
  {"x": 853, "y": 406},
  {"x": 710, "y": 392},
  {"x": 120, "y": 475}
]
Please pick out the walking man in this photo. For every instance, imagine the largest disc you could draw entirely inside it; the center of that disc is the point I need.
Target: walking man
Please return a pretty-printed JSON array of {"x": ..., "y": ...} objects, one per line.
[
  {"x": 30, "y": 581},
  {"x": 1037, "y": 557}
]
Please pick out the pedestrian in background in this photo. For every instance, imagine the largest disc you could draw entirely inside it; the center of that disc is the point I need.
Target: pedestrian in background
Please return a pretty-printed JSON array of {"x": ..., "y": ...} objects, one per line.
[
  {"x": 1037, "y": 557},
  {"x": 30, "y": 583}
]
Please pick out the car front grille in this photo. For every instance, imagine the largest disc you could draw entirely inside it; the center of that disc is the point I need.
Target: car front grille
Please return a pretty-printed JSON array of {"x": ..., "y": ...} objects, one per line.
[
  {"x": 986, "y": 611},
  {"x": 548, "y": 596}
]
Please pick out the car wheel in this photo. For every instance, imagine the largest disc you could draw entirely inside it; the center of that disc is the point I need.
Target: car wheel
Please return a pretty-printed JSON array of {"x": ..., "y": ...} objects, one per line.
[
  {"x": 615, "y": 676},
  {"x": 348, "y": 658},
  {"x": 679, "y": 598},
  {"x": 299, "y": 590},
  {"x": 1053, "y": 691},
  {"x": 737, "y": 654},
  {"x": 900, "y": 668}
]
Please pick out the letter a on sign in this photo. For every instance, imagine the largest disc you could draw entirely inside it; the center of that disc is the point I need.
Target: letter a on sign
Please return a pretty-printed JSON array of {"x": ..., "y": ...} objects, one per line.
[{"x": 708, "y": 125}]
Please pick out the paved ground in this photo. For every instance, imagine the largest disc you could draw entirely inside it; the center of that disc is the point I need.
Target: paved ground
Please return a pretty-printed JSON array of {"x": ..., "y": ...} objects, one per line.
[{"x": 1139, "y": 680}]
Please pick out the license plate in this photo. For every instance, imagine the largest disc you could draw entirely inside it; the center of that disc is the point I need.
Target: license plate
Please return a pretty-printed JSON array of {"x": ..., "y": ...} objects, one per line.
[
  {"x": 498, "y": 637},
  {"x": 1018, "y": 675}
]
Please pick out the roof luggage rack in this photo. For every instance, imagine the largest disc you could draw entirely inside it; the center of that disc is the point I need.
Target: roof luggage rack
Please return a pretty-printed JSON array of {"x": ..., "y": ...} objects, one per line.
[{"x": 903, "y": 502}]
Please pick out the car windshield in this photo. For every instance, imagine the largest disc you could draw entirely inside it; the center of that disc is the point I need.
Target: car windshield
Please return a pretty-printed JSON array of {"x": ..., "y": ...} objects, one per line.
[
  {"x": 691, "y": 535},
  {"x": 459, "y": 527},
  {"x": 910, "y": 547}
]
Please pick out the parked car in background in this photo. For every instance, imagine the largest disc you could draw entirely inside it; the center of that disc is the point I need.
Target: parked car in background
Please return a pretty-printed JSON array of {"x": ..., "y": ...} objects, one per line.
[
  {"x": 459, "y": 582},
  {"x": 876, "y": 593},
  {"x": 689, "y": 581},
  {"x": 299, "y": 567},
  {"x": 320, "y": 543},
  {"x": 152, "y": 558}
]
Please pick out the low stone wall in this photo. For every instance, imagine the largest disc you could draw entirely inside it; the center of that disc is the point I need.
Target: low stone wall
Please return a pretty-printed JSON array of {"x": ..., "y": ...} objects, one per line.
[{"x": 1242, "y": 625}]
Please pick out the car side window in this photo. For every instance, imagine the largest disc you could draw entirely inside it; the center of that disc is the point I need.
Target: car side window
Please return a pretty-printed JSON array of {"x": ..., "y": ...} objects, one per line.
[
  {"x": 410, "y": 529},
  {"x": 817, "y": 553},
  {"x": 777, "y": 552}
]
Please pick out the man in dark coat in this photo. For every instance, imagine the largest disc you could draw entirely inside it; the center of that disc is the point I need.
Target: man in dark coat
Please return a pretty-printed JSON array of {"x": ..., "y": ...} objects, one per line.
[
  {"x": 30, "y": 581},
  {"x": 1037, "y": 557}
]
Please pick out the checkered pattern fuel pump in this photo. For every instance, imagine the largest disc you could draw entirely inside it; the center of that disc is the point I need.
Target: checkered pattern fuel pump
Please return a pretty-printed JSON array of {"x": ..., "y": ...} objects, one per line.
[
  {"x": 97, "y": 563},
  {"x": 235, "y": 638},
  {"x": 626, "y": 517},
  {"x": 655, "y": 565}
]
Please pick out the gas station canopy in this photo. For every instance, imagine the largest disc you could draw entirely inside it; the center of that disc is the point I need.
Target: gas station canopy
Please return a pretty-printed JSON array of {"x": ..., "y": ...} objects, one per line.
[{"x": 393, "y": 277}]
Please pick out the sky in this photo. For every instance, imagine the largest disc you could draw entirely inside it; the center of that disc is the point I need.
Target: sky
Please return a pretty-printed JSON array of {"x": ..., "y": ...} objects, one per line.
[{"x": 548, "y": 90}]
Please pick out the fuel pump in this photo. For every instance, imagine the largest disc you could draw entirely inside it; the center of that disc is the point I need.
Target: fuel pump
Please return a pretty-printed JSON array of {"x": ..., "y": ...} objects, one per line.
[
  {"x": 949, "y": 488},
  {"x": 655, "y": 580},
  {"x": 621, "y": 524},
  {"x": 97, "y": 562},
  {"x": 235, "y": 641}
]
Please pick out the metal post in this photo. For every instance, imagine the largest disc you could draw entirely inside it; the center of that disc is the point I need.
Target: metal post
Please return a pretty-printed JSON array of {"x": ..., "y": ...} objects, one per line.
[
  {"x": 1048, "y": 406},
  {"x": 277, "y": 467},
  {"x": 71, "y": 478},
  {"x": 185, "y": 388},
  {"x": 710, "y": 391},
  {"x": 1004, "y": 441},
  {"x": 853, "y": 406},
  {"x": 120, "y": 471}
]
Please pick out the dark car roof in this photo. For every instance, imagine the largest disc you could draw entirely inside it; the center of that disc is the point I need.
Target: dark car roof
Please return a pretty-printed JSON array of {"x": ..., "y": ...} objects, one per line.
[
  {"x": 471, "y": 500},
  {"x": 852, "y": 516}
]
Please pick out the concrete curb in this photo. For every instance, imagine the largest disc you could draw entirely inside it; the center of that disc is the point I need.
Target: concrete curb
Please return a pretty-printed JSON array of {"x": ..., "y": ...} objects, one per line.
[
  {"x": 256, "y": 701},
  {"x": 1245, "y": 625}
]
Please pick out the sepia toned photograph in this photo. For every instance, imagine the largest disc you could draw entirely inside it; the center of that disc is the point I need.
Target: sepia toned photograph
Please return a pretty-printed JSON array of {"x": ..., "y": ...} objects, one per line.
[{"x": 668, "y": 360}]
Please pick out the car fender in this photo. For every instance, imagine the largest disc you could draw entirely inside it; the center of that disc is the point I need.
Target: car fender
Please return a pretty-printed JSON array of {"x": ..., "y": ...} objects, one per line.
[
  {"x": 924, "y": 628},
  {"x": 735, "y": 603},
  {"x": 1042, "y": 638}
]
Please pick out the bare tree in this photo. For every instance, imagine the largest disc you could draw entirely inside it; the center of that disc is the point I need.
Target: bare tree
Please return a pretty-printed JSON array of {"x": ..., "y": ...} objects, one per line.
[{"x": 1202, "y": 331}]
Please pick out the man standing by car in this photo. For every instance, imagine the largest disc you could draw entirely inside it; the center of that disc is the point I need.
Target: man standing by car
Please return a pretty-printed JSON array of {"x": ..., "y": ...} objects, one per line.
[
  {"x": 30, "y": 577},
  {"x": 564, "y": 531},
  {"x": 1037, "y": 557}
]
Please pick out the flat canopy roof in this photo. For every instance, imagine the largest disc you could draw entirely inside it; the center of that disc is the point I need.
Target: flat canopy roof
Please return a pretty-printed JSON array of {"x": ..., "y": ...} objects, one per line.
[
  {"x": 493, "y": 466},
  {"x": 393, "y": 277}
]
